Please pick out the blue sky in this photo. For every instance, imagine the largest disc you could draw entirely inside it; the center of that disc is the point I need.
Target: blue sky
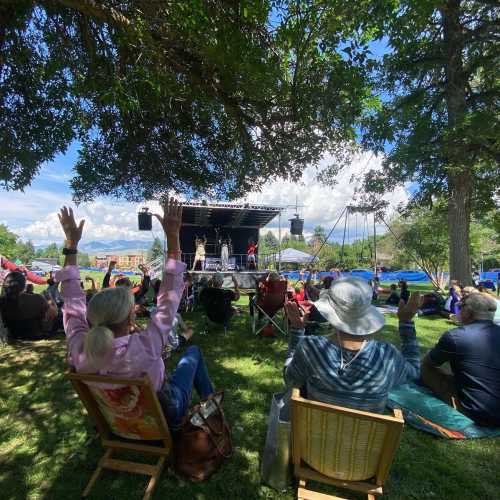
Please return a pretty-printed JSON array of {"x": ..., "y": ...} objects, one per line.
[{"x": 32, "y": 213}]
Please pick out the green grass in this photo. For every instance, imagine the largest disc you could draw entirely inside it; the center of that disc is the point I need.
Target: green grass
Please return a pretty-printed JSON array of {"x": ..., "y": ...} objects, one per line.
[{"x": 48, "y": 450}]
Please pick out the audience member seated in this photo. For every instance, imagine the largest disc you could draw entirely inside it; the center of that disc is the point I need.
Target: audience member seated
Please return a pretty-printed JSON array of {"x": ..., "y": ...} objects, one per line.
[
  {"x": 394, "y": 298},
  {"x": 217, "y": 301},
  {"x": 90, "y": 292},
  {"x": 311, "y": 291},
  {"x": 454, "y": 297},
  {"x": 350, "y": 368},
  {"x": 432, "y": 303},
  {"x": 52, "y": 292},
  {"x": 473, "y": 385},
  {"x": 25, "y": 315},
  {"x": 299, "y": 294},
  {"x": 30, "y": 289},
  {"x": 488, "y": 284},
  {"x": 109, "y": 348},
  {"x": 179, "y": 335},
  {"x": 405, "y": 293}
]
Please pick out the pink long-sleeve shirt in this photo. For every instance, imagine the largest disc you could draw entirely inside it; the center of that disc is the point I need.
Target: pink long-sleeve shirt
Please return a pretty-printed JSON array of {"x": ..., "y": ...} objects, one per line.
[{"x": 133, "y": 355}]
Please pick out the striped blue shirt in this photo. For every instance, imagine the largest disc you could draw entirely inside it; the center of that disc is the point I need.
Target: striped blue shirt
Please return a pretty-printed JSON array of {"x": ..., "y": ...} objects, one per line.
[{"x": 313, "y": 363}]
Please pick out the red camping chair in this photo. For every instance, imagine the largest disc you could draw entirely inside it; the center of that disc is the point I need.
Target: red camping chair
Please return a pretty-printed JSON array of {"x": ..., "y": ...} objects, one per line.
[{"x": 267, "y": 307}]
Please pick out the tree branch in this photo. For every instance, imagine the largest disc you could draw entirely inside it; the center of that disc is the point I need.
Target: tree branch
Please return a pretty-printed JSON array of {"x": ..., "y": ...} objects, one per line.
[{"x": 98, "y": 11}]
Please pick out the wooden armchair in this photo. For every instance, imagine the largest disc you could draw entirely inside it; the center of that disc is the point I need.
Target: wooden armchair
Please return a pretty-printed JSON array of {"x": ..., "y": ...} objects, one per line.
[
  {"x": 127, "y": 409},
  {"x": 343, "y": 447}
]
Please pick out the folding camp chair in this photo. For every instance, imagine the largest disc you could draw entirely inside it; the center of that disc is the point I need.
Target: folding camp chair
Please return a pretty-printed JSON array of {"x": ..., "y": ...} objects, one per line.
[
  {"x": 269, "y": 303},
  {"x": 343, "y": 447},
  {"x": 217, "y": 306},
  {"x": 128, "y": 416}
]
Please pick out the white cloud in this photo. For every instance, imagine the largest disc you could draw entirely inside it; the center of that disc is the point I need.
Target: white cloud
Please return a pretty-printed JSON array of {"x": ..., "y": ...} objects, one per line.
[
  {"x": 323, "y": 205},
  {"x": 33, "y": 214}
]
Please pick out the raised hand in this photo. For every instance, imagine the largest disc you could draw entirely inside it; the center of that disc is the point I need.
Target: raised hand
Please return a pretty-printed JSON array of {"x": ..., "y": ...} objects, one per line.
[
  {"x": 293, "y": 314},
  {"x": 171, "y": 222},
  {"x": 407, "y": 311},
  {"x": 72, "y": 231}
]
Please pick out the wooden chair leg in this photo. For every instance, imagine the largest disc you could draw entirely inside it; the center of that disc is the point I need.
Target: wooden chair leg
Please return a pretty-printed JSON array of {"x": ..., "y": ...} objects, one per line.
[
  {"x": 97, "y": 472},
  {"x": 154, "y": 479}
]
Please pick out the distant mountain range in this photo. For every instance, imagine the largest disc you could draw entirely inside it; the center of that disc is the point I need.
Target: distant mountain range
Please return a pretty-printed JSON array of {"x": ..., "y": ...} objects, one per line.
[{"x": 117, "y": 246}]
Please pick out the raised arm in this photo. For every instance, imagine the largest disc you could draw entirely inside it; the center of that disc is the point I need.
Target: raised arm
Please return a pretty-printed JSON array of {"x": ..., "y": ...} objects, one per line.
[
  {"x": 75, "y": 308},
  {"x": 146, "y": 281},
  {"x": 407, "y": 366},
  {"x": 107, "y": 276},
  {"x": 156, "y": 335}
]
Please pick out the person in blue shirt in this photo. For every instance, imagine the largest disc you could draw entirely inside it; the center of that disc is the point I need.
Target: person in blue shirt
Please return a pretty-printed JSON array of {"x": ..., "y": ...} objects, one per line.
[
  {"x": 473, "y": 352},
  {"x": 349, "y": 367}
]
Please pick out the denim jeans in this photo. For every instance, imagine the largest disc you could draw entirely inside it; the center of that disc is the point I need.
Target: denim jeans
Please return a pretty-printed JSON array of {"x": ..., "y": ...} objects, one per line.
[{"x": 175, "y": 395}]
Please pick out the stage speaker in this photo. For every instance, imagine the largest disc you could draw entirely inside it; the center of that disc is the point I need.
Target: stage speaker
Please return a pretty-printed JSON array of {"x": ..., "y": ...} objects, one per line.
[
  {"x": 145, "y": 220},
  {"x": 296, "y": 226}
]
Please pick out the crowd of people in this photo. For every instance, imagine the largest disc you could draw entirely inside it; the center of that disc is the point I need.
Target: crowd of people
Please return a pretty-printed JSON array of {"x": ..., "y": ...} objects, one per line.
[{"x": 348, "y": 367}]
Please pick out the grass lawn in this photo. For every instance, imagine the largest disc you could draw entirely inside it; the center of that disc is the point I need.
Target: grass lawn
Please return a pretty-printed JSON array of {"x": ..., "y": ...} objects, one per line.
[{"x": 48, "y": 448}]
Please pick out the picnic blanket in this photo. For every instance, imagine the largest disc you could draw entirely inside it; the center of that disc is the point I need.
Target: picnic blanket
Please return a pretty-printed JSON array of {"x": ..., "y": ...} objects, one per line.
[{"x": 422, "y": 410}]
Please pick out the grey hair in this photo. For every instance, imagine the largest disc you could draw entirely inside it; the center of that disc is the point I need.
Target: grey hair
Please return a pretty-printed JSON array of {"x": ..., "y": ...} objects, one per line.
[
  {"x": 482, "y": 306},
  {"x": 106, "y": 309}
]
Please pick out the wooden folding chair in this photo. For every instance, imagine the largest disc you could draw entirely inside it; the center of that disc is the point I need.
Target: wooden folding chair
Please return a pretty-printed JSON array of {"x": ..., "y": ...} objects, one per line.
[
  {"x": 129, "y": 409},
  {"x": 343, "y": 447}
]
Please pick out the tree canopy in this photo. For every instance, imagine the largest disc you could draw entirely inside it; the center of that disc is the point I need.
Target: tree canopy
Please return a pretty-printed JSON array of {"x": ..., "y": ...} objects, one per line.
[
  {"x": 209, "y": 97},
  {"x": 438, "y": 120}
]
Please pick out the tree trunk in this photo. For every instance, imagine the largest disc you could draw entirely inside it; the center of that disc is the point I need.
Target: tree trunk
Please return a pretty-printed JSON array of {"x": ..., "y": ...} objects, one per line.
[
  {"x": 459, "y": 213},
  {"x": 460, "y": 179}
]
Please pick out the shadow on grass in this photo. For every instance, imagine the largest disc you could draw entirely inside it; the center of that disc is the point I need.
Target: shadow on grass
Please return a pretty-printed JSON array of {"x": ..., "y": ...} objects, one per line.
[{"x": 46, "y": 453}]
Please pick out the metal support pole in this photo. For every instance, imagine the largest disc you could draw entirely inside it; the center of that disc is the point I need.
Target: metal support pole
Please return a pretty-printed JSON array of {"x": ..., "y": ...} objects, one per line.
[
  {"x": 279, "y": 243},
  {"x": 375, "y": 243}
]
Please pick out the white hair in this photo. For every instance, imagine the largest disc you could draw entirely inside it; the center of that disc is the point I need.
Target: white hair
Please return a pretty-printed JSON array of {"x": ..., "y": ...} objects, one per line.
[
  {"x": 106, "y": 309},
  {"x": 482, "y": 306}
]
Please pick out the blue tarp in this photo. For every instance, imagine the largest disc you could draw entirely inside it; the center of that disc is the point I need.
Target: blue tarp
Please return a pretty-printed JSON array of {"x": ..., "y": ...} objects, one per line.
[
  {"x": 98, "y": 269},
  {"x": 394, "y": 276}
]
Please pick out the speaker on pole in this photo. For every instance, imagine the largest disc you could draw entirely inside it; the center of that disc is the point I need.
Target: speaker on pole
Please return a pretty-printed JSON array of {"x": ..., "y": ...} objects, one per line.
[
  {"x": 296, "y": 226},
  {"x": 145, "y": 220}
]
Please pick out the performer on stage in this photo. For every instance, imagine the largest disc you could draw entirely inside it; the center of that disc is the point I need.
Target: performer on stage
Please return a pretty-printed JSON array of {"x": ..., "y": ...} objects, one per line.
[
  {"x": 224, "y": 254},
  {"x": 251, "y": 261},
  {"x": 200, "y": 252}
]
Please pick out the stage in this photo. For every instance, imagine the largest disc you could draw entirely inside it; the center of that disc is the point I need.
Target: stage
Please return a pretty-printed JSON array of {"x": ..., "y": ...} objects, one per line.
[{"x": 246, "y": 279}]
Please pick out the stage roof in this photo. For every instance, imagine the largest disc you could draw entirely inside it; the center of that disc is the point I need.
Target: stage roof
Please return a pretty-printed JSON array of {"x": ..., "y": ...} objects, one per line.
[{"x": 227, "y": 214}]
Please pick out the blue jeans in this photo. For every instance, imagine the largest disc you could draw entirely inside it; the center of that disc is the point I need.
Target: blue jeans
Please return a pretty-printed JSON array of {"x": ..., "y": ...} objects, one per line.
[{"x": 175, "y": 395}]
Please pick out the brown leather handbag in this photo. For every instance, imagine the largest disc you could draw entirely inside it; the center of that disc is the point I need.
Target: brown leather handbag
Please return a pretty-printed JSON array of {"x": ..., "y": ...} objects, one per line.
[{"x": 204, "y": 440}]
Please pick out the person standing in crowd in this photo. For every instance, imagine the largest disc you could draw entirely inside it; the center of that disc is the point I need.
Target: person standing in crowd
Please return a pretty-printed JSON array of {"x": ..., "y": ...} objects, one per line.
[
  {"x": 251, "y": 259},
  {"x": 199, "y": 256}
]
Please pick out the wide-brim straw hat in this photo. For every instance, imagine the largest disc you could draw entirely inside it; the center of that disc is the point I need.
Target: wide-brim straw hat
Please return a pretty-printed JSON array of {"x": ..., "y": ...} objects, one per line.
[{"x": 347, "y": 306}]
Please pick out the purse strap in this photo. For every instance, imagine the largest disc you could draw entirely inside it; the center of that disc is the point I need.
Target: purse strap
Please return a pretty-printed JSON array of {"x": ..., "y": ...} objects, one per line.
[{"x": 210, "y": 431}]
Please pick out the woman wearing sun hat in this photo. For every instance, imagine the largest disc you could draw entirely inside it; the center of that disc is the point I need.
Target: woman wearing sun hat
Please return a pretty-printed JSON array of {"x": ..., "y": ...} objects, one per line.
[{"x": 349, "y": 367}]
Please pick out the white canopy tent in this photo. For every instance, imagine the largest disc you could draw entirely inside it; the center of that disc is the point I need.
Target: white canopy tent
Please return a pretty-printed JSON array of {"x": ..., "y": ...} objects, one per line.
[{"x": 292, "y": 256}]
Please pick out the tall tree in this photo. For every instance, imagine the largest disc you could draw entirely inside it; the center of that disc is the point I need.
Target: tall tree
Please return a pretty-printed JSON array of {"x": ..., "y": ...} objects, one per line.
[
  {"x": 211, "y": 97},
  {"x": 156, "y": 250},
  {"x": 439, "y": 113},
  {"x": 8, "y": 242},
  {"x": 318, "y": 237}
]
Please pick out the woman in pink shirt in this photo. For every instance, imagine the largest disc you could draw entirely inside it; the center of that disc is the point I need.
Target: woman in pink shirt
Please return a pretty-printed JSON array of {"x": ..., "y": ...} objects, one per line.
[{"x": 109, "y": 347}]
